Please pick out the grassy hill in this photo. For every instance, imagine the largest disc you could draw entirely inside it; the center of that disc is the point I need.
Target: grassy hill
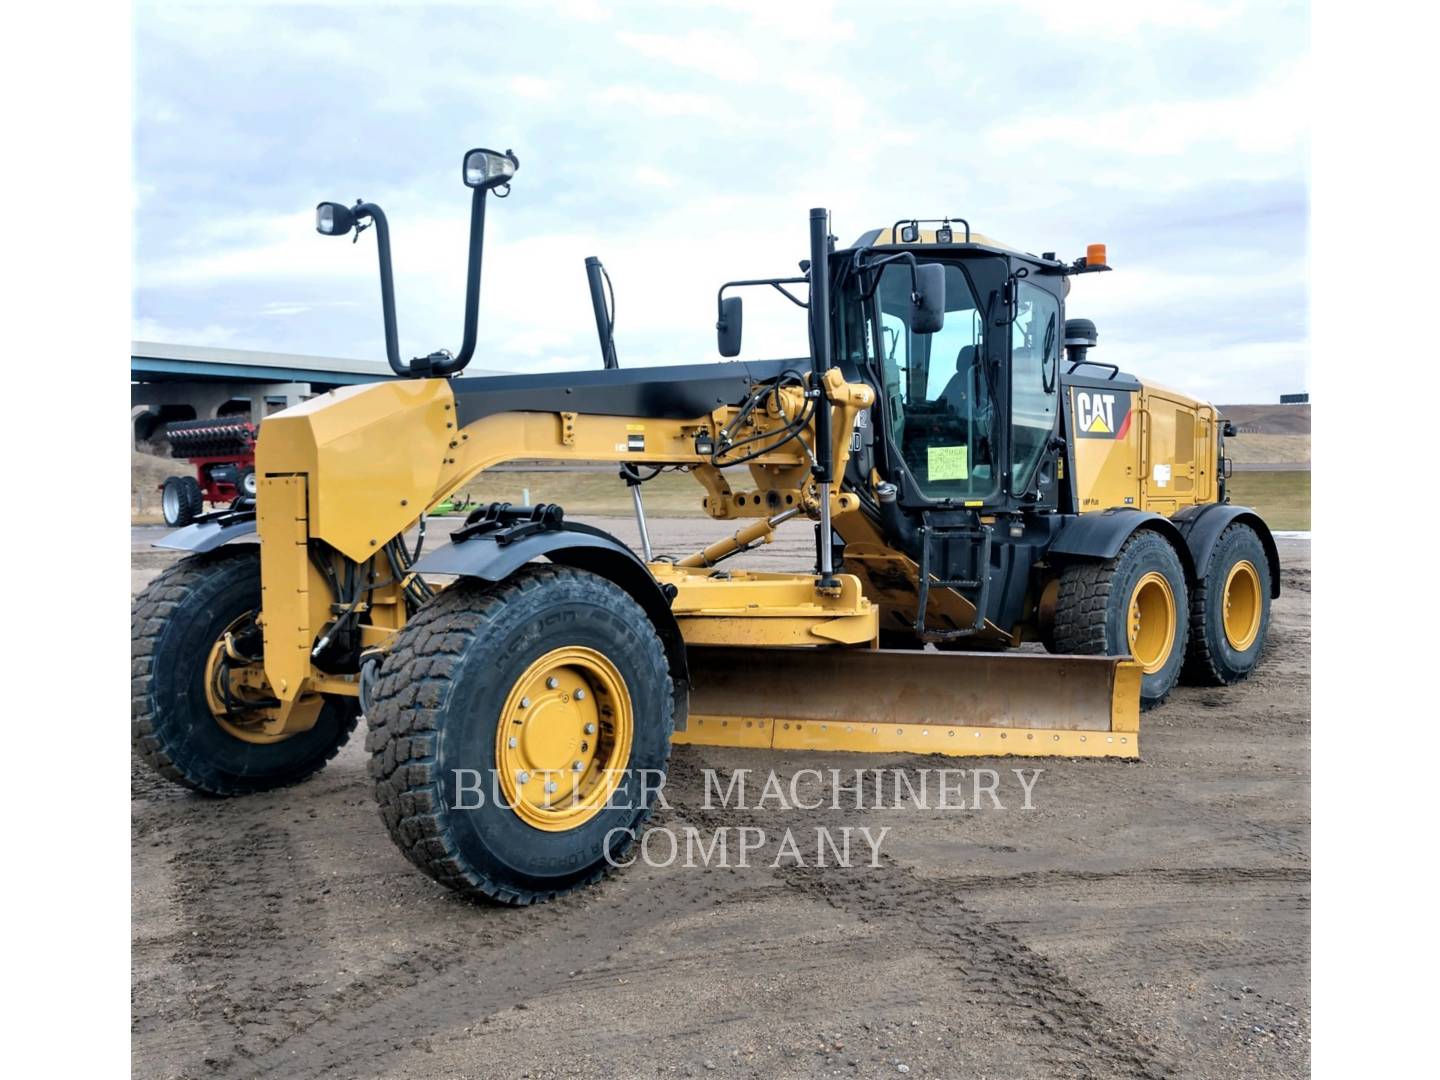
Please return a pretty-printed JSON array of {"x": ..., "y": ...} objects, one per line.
[{"x": 1268, "y": 419}]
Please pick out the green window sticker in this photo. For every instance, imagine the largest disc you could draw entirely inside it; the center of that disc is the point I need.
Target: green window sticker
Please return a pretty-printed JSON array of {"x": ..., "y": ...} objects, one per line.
[{"x": 948, "y": 463}]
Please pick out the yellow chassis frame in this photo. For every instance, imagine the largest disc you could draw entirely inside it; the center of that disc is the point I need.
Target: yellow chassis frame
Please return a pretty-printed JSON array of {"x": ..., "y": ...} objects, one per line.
[{"x": 358, "y": 466}]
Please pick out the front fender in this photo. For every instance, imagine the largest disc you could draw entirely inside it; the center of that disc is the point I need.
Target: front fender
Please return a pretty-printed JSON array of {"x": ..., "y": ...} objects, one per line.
[
  {"x": 584, "y": 548},
  {"x": 207, "y": 535}
]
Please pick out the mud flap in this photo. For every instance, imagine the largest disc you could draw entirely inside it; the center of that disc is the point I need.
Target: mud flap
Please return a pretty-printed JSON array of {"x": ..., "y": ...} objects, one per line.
[{"x": 889, "y": 701}]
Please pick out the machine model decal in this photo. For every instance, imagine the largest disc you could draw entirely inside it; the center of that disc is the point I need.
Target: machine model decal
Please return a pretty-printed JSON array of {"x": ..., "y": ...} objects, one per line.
[{"x": 1101, "y": 414}]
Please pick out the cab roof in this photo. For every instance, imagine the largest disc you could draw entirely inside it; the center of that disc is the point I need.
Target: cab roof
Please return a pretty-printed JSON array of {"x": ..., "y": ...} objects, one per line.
[{"x": 889, "y": 238}]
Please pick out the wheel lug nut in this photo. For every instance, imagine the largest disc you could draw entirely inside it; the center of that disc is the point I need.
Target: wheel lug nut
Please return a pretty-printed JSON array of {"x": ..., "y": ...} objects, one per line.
[
  {"x": 524, "y": 702},
  {"x": 522, "y": 777},
  {"x": 589, "y": 729},
  {"x": 579, "y": 695},
  {"x": 577, "y": 766},
  {"x": 551, "y": 787},
  {"x": 552, "y": 682},
  {"x": 514, "y": 742}
]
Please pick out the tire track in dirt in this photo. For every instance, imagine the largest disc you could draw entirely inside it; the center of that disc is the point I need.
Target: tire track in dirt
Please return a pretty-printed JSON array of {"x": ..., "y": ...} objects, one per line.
[
  {"x": 240, "y": 891},
  {"x": 517, "y": 964},
  {"x": 1049, "y": 1015}
]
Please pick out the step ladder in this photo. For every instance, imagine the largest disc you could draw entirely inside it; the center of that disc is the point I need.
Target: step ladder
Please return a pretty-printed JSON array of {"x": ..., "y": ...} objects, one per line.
[{"x": 934, "y": 546}]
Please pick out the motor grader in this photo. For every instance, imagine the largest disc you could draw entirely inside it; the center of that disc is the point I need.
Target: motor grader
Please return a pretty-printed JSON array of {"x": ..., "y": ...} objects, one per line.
[{"x": 975, "y": 481}]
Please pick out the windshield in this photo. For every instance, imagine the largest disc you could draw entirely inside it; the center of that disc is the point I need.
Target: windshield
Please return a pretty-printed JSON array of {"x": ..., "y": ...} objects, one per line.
[{"x": 939, "y": 402}]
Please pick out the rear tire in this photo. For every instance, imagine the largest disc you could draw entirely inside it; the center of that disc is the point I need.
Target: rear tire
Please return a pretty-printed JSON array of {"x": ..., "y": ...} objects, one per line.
[
  {"x": 1098, "y": 603},
  {"x": 174, "y": 624},
  {"x": 181, "y": 500},
  {"x": 464, "y": 666},
  {"x": 1229, "y": 611}
]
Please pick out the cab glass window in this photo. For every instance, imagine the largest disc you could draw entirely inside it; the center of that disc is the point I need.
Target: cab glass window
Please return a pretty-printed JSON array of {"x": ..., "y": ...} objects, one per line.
[
  {"x": 1035, "y": 343},
  {"x": 939, "y": 395}
]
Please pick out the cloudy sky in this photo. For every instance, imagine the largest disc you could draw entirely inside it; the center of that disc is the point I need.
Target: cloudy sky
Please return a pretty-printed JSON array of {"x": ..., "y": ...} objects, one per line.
[{"x": 684, "y": 144}]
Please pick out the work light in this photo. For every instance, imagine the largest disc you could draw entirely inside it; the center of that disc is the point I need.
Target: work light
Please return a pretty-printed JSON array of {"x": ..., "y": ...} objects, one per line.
[
  {"x": 488, "y": 169},
  {"x": 333, "y": 219}
]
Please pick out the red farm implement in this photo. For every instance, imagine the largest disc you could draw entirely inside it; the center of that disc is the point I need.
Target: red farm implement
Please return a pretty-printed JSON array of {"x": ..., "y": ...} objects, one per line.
[{"x": 223, "y": 453}]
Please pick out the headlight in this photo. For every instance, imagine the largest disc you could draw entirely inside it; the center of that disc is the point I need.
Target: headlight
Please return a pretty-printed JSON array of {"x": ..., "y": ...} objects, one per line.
[
  {"x": 333, "y": 219},
  {"x": 488, "y": 169}
]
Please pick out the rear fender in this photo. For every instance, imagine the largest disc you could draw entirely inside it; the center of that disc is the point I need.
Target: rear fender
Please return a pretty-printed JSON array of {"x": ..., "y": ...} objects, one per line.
[
  {"x": 1201, "y": 527},
  {"x": 585, "y": 548},
  {"x": 1102, "y": 533}
]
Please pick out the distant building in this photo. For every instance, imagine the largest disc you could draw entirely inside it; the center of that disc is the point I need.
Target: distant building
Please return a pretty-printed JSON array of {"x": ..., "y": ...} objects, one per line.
[
  {"x": 1294, "y": 399},
  {"x": 191, "y": 382}
]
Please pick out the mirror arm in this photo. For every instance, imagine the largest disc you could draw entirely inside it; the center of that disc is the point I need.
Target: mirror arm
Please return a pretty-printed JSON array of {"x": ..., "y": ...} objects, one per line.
[
  {"x": 472, "y": 288},
  {"x": 437, "y": 364},
  {"x": 387, "y": 283},
  {"x": 905, "y": 256},
  {"x": 774, "y": 283}
]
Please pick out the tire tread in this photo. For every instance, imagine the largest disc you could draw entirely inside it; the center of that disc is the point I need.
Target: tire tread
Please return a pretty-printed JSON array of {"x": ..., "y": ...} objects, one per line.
[
  {"x": 150, "y": 612},
  {"x": 410, "y": 696}
]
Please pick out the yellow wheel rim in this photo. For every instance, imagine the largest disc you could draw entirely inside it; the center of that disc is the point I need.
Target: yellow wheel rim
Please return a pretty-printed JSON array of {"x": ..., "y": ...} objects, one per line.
[
  {"x": 246, "y": 683},
  {"x": 1151, "y": 621},
  {"x": 1243, "y": 605},
  {"x": 564, "y": 737}
]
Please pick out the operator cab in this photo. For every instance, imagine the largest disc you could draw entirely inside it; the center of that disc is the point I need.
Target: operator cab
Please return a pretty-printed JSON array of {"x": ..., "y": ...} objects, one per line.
[{"x": 966, "y": 415}]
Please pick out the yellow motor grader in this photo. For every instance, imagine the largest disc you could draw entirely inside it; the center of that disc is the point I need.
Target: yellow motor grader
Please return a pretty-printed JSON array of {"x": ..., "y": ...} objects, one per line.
[{"x": 974, "y": 481}]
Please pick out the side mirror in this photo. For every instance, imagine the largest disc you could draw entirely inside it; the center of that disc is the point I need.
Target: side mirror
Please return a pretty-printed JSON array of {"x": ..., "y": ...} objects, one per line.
[
  {"x": 727, "y": 329},
  {"x": 927, "y": 313}
]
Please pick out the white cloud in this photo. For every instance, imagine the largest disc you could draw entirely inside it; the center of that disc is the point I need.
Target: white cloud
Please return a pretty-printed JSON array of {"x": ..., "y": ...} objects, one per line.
[
  {"x": 1267, "y": 121},
  {"x": 171, "y": 333},
  {"x": 685, "y": 146},
  {"x": 720, "y": 55}
]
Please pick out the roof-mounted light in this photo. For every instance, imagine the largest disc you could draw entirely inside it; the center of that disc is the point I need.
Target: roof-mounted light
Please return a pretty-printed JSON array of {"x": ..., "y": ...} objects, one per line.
[{"x": 488, "y": 169}]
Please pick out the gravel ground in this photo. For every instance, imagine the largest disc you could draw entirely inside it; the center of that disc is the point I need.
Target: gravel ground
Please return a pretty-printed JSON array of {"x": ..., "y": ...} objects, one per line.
[{"x": 1143, "y": 919}]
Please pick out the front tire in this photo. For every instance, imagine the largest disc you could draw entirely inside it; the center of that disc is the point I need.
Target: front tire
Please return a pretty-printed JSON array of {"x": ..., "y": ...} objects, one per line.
[
  {"x": 1131, "y": 605},
  {"x": 1229, "y": 611},
  {"x": 174, "y": 625},
  {"x": 494, "y": 692}
]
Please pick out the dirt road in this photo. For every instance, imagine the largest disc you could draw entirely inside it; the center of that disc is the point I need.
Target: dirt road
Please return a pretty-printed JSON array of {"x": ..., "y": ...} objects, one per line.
[{"x": 1145, "y": 919}]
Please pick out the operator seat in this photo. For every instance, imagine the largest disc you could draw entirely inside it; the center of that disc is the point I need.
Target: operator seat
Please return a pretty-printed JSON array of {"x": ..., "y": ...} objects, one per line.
[{"x": 956, "y": 395}]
